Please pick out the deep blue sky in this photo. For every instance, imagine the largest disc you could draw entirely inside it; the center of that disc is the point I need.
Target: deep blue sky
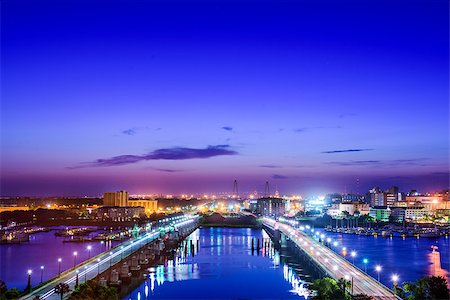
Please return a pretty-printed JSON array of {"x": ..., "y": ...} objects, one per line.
[{"x": 186, "y": 96}]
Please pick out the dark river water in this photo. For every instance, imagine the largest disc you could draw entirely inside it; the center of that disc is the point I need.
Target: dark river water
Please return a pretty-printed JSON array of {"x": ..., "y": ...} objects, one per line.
[{"x": 224, "y": 267}]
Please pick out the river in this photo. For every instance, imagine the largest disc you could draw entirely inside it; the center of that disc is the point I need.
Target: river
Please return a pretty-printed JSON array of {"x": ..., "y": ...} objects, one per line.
[{"x": 224, "y": 267}]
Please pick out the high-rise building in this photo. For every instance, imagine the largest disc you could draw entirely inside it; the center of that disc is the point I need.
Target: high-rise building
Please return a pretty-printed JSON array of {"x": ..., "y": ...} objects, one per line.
[
  {"x": 377, "y": 197},
  {"x": 119, "y": 198}
]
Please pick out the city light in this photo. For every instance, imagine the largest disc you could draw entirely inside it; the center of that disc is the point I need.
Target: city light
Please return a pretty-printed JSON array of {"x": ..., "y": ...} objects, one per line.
[
  {"x": 378, "y": 269},
  {"x": 29, "y": 271}
]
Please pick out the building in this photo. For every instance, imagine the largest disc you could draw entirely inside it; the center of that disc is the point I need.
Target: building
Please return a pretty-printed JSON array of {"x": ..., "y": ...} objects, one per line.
[
  {"x": 380, "y": 213},
  {"x": 337, "y": 210},
  {"x": 119, "y": 213},
  {"x": 119, "y": 198},
  {"x": 409, "y": 213},
  {"x": 377, "y": 197},
  {"x": 150, "y": 206},
  {"x": 271, "y": 207}
]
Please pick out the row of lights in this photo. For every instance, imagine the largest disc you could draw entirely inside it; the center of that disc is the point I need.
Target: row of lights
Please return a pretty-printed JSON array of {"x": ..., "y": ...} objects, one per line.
[
  {"x": 88, "y": 248},
  {"x": 353, "y": 254}
]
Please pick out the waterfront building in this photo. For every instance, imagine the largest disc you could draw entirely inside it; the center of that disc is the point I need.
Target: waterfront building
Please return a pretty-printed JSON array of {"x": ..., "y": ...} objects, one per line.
[
  {"x": 119, "y": 213},
  {"x": 380, "y": 213},
  {"x": 119, "y": 198},
  {"x": 431, "y": 202},
  {"x": 409, "y": 213},
  {"x": 377, "y": 197},
  {"x": 150, "y": 206},
  {"x": 271, "y": 206},
  {"x": 337, "y": 210}
]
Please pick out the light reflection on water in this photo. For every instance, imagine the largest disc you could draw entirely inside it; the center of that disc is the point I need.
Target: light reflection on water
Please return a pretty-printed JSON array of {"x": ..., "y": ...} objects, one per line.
[{"x": 224, "y": 267}]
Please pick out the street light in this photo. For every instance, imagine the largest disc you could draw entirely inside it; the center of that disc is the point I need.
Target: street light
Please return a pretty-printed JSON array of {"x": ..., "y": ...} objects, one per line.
[
  {"x": 28, "y": 288},
  {"x": 365, "y": 261},
  {"x": 42, "y": 273},
  {"x": 98, "y": 267},
  {"x": 75, "y": 258},
  {"x": 395, "y": 280},
  {"x": 378, "y": 269},
  {"x": 353, "y": 254},
  {"x": 59, "y": 266},
  {"x": 85, "y": 273},
  {"x": 89, "y": 248}
]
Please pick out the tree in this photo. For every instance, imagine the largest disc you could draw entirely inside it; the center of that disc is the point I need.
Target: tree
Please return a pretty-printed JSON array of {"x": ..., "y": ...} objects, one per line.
[
  {"x": 62, "y": 289},
  {"x": 427, "y": 288},
  {"x": 91, "y": 290},
  {"x": 328, "y": 289}
]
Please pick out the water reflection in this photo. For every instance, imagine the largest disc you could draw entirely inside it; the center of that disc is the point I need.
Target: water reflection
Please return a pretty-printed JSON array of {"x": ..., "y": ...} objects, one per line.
[
  {"x": 434, "y": 258},
  {"x": 222, "y": 262}
]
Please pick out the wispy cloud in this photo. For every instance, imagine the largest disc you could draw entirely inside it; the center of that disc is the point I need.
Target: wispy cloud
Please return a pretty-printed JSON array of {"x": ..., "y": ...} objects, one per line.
[
  {"x": 386, "y": 163},
  {"x": 270, "y": 166},
  {"x": 347, "y": 150},
  {"x": 305, "y": 129},
  {"x": 135, "y": 130},
  {"x": 168, "y": 170},
  {"x": 278, "y": 176},
  {"x": 227, "y": 128},
  {"x": 176, "y": 153},
  {"x": 130, "y": 131}
]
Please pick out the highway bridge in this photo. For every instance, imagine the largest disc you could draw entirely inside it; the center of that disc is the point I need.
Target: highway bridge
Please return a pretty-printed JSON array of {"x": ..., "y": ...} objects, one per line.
[
  {"x": 91, "y": 268},
  {"x": 332, "y": 264}
]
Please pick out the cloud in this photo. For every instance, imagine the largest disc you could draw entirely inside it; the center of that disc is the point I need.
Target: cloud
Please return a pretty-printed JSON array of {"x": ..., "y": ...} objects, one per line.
[
  {"x": 304, "y": 129},
  {"x": 130, "y": 131},
  {"x": 354, "y": 162},
  {"x": 347, "y": 150},
  {"x": 227, "y": 128},
  {"x": 176, "y": 153},
  {"x": 385, "y": 163},
  {"x": 278, "y": 176},
  {"x": 136, "y": 130},
  {"x": 168, "y": 170},
  {"x": 270, "y": 166}
]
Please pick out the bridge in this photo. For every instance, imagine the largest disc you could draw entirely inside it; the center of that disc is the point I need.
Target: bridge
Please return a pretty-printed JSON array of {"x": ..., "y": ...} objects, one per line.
[
  {"x": 332, "y": 264},
  {"x": 91, "y": 268}
]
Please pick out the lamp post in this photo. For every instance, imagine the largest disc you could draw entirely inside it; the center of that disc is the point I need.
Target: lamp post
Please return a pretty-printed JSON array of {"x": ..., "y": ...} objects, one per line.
[
  {"x": 89, "y": 248},
  {"x": 85, "y": 273},
  {"x": 42, "y": 273},
  {"x": 353, "y": 254},
  {"x": 28, "y": 288},
  {"x": 365, "y": 261},
  {"x": 75, "y": 258},
  {"x": 59, "y": 266},
  {"x": 121, "y": 252},
  {"x": 395, "y": 280},
  {"x": 76, "y": 280},
  {"x": 98, "y": 267},
  {"x": 378, "y": 269}
]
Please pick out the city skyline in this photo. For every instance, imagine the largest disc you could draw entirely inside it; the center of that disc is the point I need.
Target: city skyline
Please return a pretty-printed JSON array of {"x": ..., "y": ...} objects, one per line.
[{"x": 185, "y": 99}]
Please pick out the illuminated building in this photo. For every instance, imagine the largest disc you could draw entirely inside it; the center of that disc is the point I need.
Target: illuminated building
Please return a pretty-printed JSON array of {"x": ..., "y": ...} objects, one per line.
[
  {"x": 150, "y": 206},
  {"x": 119, "y": 198}
]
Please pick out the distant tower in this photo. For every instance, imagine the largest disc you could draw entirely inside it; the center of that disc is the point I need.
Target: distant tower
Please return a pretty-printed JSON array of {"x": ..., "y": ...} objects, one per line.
[
  {"x": 235, "y": 189},
  {"x": 267, "y": 190}
]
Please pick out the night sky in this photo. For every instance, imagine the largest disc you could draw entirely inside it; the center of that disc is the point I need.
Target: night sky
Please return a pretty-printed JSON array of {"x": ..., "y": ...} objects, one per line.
[{"x": 186, "y": 96}]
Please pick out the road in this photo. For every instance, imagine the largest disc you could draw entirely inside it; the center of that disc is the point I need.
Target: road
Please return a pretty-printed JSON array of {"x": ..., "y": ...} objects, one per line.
[
  {"x": 89, "y": 269},
  {"x": 336, "y": 266}
]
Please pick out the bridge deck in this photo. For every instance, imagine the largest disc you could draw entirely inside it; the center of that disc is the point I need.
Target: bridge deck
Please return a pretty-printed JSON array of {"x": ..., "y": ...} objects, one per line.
[
  {"x": 333, "y": 264},
  {"x": 89, "y": 269}
]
